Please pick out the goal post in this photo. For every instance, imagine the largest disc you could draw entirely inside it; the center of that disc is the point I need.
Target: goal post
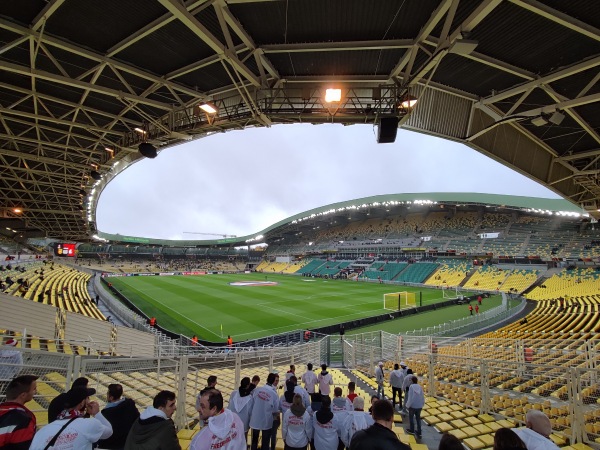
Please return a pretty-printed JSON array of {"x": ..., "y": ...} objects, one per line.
[{"x": 395, "y": 301}]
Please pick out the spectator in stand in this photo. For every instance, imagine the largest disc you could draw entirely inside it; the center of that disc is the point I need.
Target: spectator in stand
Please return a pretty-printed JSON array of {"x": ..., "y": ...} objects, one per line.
[
  {"x": 57, "y": 404},
  {"x": 241, "y": 401},
  {"x": 415, "y": 403},
  {"x": 351, "y": 388},
  {"x": 154, "y": 430},
  {"x": 325, "y": 380},
  {"x": 379, "y": 378},
  {"x": 17, "y": 423},
  {"x": 291, "y": 372},
  {"x": 286, "y": 399},
  {"x": 450, "y": 442},
  {"x": 396, "y": 380},
  {"x": 537, "y": 434},
  {"x": 264, "y": 409},
  {"x": 211, "y": 383},
  {"x": 380, "y": 434},
  {"x": 340, "y": 403},
  {"x": 309, "y": 379},
  {"x": 71, "y": 430},
  {"x": 405, "y": 385},
  {"x": 297, "y": 429},
  {"x": 507, "y": 439},
  {"x": 121, "y": 412},
  {"x": 355, "y": 420},
  {"x": 225, "y": 430},
  {"x": 327, "y": 427}
]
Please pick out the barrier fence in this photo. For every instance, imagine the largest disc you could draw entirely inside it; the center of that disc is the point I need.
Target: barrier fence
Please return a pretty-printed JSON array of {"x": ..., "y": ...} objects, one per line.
[{"x": 502, "y": 377}]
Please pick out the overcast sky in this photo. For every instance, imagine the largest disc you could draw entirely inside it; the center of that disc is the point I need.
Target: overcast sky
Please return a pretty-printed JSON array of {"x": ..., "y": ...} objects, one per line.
[{"x": 240, "y": 182}]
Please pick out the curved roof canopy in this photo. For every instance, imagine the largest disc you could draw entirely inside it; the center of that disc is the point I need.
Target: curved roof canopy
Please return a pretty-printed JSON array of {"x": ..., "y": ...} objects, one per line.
[
  {"x": 83, "y": 84},
  {"x": 369, "y": 207}
]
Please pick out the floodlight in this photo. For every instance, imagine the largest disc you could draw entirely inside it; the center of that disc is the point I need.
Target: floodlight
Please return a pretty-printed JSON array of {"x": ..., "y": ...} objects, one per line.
[
  {"x": 408, "y": 102},
  {"x": 208, "y": 108},
  {"x": 333, "y": 95},
  {"x": 139, "y": 130},
  {"x": 539, "y": 121},
  {"x": 17, "y": 210}
]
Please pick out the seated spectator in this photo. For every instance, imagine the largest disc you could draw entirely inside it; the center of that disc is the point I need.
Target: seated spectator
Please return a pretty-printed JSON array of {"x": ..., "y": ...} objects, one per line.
[
  {"x": 121, "y": 412},
  {"x": 17, "y": 423}
]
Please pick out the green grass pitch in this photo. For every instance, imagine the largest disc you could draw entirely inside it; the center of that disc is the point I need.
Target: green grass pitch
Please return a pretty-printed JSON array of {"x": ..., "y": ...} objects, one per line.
[{"x": 201, "y": 305}]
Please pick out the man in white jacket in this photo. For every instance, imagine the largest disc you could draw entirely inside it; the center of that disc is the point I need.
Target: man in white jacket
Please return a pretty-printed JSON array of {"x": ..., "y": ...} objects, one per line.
[
  {"x": 415, "y": 403},
  {"x": 309, "y": 379},
  {"x": 537, "y": 434},
  {"x": 396, "y": 379},
  {"x": 325, "y": 381},
  {"x": 225, "y": 429},
  {"x": 241, "y": 401},
  {"x": 264, "y": 409},
  {"x": 79, "y": 433}
]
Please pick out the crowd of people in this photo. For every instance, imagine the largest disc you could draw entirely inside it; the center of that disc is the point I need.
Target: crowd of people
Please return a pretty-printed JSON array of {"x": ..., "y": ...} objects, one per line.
[{"x": 307, "y": 415}]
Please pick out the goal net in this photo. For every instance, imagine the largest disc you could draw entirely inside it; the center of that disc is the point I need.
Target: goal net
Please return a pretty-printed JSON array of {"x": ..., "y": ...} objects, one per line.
[
  {"x": 452, "y": 293},
  {"x": 395, "y": 301}
]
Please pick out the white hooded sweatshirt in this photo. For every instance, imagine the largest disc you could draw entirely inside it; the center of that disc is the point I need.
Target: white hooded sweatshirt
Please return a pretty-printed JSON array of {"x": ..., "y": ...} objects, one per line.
[
  {"x": 355, "y": 421},
  {"x": 225, "y": 431},
  {"x": 296, "y": 431},
  {"x": 416, "y": 397},
  {"x": 242, "y": 406}
]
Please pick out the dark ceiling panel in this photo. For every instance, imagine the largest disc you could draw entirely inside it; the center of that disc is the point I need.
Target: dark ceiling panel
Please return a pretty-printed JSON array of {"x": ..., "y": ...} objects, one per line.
[
  {"x": 586, "y": 11},
  {"x": 530, "y": 41},
  {"x": 472, "y": 76},
  {"x": 22, "y": 11},
  {"x": 113, "y": 21}
]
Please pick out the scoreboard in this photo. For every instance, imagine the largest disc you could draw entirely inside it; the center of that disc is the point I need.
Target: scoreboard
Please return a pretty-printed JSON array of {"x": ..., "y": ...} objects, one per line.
[{"x": 64, "y": 249}]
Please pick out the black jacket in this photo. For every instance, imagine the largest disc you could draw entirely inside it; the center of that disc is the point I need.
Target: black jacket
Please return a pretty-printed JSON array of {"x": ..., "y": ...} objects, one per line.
[
  {"x": 376, "y": 437},
  {"x": 121, "y": 417}
]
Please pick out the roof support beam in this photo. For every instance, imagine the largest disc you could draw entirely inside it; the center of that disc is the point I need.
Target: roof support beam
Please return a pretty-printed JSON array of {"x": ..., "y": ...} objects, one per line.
[
  {"x": 574, "y": 69},
  {"x": 338, "y": 46},
  {"x": 559, "y": 17},
  {"x": 181, "y": 13},
  {"x": 35, "y": 73},
  {"x": 45, "y": 13},
  {"x": 89, "y": 54}
]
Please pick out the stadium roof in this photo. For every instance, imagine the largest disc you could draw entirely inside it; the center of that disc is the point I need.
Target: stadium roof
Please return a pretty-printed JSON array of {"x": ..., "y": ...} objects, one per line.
[
  {"x": 78, "y": 79},
  {"x": 361, "y": 209}
]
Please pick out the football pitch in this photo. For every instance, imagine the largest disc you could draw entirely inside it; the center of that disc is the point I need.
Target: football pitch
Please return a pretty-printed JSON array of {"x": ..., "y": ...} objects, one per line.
[{"x": 249, "y": 306}]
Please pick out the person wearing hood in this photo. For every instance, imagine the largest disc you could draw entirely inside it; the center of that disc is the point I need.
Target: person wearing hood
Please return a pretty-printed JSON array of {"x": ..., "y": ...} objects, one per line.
[
  {"x": 241, "y": 401},
  {"x": 297, "y": 428},
  {"x": 327, "y": 427},
  {"x": 355, "y": 420},
  {"x": 121, "y": 412},
  {"x": 325, "y": 380},
  {"x": 57, "y": 404},
  {"x": 225, "y": 429},
  {"x": 415, "y": 403},
  {"x": 264, "y": 409},
  {"x": 154, "y": 429},
  {"x": 71, "y": 430},
  {"x": 285, "y": 401},
  {"x": 340, "y": 403}
]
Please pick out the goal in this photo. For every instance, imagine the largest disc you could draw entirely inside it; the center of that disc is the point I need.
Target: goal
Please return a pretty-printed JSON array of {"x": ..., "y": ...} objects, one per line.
[{"x": 395, "y": 301}]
